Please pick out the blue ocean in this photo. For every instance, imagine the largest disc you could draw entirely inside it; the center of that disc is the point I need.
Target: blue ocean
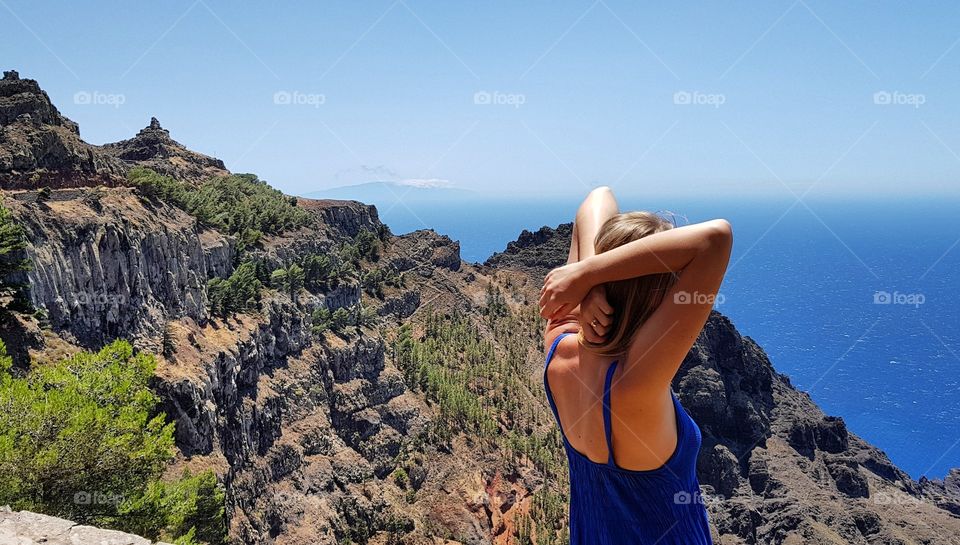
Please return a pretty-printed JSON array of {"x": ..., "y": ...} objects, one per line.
[{"x": 856, "y": 300}]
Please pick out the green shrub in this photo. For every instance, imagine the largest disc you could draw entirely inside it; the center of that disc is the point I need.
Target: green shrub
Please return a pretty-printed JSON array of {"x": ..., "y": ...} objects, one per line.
[
  {"x": 237, "y": 293},
  {"x": 366, "y": 316},
  {"x": 400, "y": 477},
  {"x": 12, "y": 243},
  {"x": 158, "y": 187},
  {"x": 372, "y": 282},
  {"x": 289, "y": 279},
  {"x": 82, "y": 426},
  {"x": 349, "y": 254},
  {"x": 368, "y": 244},
  {"x": 321, "y": 320},
  {"x": 341, "y": 319},
  {"x": 81, "y": 439},
  {"x": 239, "y": 204},
  {"x": 189, "y": 510},
  {"x": 319, "y": 273}
]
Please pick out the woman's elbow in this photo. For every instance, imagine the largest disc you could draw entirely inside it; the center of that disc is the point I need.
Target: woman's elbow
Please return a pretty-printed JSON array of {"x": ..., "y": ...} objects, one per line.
[{"x": 720, "y": 234}]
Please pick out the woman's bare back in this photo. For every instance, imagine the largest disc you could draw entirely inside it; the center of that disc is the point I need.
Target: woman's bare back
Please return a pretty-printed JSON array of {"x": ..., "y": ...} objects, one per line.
[{"x": 644, "y": 430}]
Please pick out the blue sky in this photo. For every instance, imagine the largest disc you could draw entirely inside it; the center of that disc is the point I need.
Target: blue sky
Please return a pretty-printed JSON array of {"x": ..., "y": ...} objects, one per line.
[{"x": 509, "y": 98}]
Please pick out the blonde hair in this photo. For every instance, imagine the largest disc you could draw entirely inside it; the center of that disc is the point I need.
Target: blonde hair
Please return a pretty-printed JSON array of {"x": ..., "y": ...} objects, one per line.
[{"x": 633, "y": 300}]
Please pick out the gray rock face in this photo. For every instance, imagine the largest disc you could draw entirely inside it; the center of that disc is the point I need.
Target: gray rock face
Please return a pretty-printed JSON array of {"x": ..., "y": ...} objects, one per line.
[
  {"x": 19, "y": 97},
  {"x": 944, "y": 492},
  {"x": 215, "y": 410},
  {"x": 26, "y": 528},
  {"x": 106, "y": 267},
  {"x": 296, "y": 417},
  {"x": 401, "y": 306},
  {"x": 342, "y": 296}
]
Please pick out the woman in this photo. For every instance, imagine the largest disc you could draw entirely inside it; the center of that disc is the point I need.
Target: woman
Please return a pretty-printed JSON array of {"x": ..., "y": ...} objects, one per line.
[{"x": 636, "y": 292}]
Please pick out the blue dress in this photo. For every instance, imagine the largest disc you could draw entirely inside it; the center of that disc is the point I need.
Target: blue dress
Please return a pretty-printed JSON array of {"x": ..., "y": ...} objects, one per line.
[{"x": 614, "y": 506}]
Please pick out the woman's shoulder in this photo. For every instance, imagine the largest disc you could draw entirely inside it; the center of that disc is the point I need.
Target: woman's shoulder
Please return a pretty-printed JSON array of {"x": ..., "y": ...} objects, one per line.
[{"x": 555, "y": 332}]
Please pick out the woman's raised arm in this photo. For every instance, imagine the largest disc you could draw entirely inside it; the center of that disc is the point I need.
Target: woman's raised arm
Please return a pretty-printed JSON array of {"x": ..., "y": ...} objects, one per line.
[{"x": 669, "y": 251}]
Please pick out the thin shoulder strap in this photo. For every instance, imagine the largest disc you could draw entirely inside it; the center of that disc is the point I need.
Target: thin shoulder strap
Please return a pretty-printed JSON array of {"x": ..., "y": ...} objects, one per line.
[
  {"x": 607, "y": 425},
  {"x": 546, "y": 382}
]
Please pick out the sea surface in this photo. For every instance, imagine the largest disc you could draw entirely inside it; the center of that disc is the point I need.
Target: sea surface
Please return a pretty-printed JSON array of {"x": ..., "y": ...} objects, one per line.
[{"x": 858, "y": 301}]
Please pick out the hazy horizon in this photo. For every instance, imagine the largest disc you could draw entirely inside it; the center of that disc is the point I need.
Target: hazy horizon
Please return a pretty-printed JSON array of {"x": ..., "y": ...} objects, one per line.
[{"x": 790, "y": 98}]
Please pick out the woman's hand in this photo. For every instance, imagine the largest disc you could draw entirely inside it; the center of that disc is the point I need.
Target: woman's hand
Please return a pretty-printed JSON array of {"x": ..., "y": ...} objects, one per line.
[
  {"x": 595, "y": 314},
  {"x": 563, "y": 289}
]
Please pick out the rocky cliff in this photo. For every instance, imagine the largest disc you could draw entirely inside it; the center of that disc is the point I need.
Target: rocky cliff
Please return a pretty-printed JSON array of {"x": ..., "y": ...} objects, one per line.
[
  {"x": 345, "y": 436},
  {"x": 39, "y": 147},
  {"x": 106, "y": 266}
]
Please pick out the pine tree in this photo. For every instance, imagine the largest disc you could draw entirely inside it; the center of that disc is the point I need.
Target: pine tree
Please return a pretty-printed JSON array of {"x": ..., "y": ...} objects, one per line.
[{"x": 12, "y": 243}]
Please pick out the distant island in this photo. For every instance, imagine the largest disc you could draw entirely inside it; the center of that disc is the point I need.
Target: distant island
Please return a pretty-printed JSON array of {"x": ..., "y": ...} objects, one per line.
[{"x": 386, "y": 193}]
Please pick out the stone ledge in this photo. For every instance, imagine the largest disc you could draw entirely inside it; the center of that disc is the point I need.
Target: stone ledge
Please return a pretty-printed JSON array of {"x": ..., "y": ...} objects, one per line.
[{"x": 26, "y": 528}]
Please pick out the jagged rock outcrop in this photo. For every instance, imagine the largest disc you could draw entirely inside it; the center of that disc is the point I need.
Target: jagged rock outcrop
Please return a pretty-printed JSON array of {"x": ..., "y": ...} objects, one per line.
[
  {"x": 153, "y": 148},
  {"x": 424, "y": 250},
  {"x": 24, "y": 97},
  {"x": 293, "y": 418},
  {"x": 537, "y": 251},
  {"x": 343, "y": 218},
  {"x": 39, "y": 147},
  {"x": 944, "y": 492}
]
